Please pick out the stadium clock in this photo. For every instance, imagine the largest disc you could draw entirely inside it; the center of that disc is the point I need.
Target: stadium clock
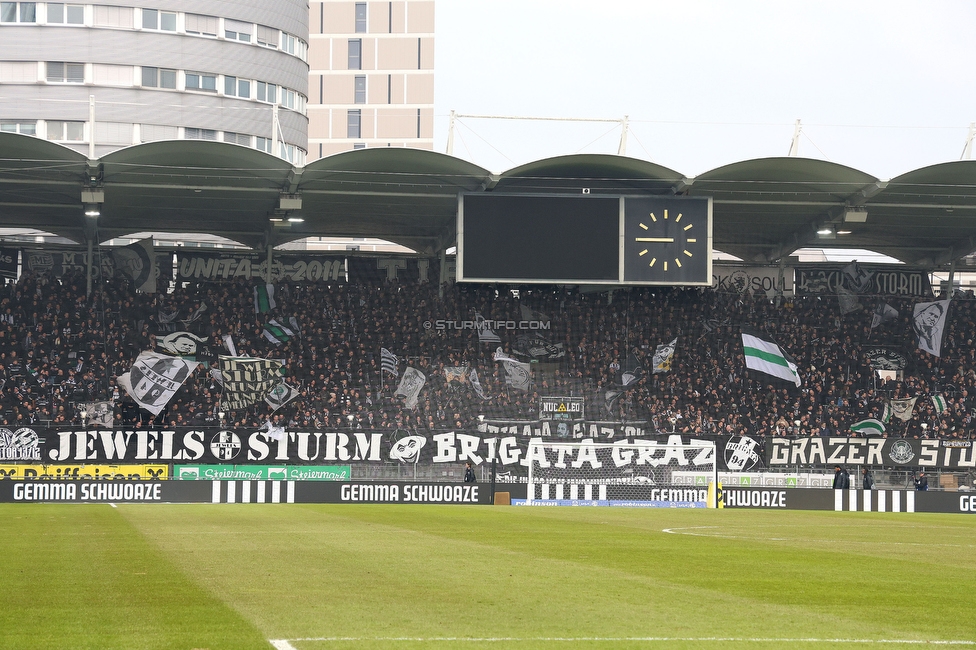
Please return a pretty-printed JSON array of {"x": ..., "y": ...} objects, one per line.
[{"x": 667, "y": 241}]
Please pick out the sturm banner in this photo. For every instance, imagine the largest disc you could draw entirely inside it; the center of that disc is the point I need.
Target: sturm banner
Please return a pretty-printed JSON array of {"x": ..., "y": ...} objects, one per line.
[
  {"x": 192, "y": 266},
  {"x": 256, "y": 447},
  {"x": 873, "y": 452},
  {"x": 883, "y": 280}
]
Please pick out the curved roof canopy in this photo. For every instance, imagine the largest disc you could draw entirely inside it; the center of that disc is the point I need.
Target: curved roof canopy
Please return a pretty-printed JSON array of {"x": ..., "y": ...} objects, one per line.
[{"x": 763, "y": 209}]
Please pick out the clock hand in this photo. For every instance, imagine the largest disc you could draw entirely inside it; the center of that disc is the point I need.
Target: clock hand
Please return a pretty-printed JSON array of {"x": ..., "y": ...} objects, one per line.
[{"x": 662, "y": 240}]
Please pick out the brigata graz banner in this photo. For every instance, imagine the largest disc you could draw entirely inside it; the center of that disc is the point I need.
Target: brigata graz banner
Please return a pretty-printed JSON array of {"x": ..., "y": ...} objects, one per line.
[
  {"x": 252, "y": 446},
  {"x": 908, "y": 452}
]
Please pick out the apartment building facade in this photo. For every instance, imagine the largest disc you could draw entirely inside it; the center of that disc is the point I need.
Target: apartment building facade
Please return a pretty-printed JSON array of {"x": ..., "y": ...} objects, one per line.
[
  {"x": 371, "y": 75},
  {"x": 99, "y": 77}
]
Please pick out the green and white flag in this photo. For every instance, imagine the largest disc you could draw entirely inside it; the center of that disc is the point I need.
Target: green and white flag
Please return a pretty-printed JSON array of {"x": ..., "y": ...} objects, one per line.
[
  {"x": 940, "y": 404},
  {"x": 869, "y": 427},
  {"x": 767, "y": 357},
  {"x": 264, "y": 300},
  {"x": 277, "y": 332},
  {"x": 886, "y": 413}
]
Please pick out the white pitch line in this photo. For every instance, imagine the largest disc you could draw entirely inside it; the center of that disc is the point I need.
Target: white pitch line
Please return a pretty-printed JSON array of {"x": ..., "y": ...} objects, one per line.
[
  {"x": 283, "y": 644},
  {"x": 113, "y": 505}
]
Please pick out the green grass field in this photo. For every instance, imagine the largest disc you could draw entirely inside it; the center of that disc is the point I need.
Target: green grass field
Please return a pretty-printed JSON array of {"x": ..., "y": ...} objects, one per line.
[{"x": 312, "y": 577}]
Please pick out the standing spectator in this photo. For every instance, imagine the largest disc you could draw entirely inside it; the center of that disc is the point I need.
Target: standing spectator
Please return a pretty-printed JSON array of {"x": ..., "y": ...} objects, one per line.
[
  {"x": 867, "y": 481},
  {"x": 922, "y": 482},
  {"x": 842, "y": 480}
]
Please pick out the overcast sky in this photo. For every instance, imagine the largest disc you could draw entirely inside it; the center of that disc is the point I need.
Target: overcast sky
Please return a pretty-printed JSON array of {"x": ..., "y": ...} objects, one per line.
[{"x": 884, "y": 87}]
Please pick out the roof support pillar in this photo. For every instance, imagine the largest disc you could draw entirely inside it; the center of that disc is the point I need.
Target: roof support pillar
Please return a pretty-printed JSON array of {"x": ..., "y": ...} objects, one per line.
[{"x": 88, "y": 269}]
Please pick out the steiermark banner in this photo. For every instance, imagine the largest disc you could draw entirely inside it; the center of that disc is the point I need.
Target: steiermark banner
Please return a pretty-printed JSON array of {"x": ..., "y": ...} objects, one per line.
[{"x": 262, "y": 472}]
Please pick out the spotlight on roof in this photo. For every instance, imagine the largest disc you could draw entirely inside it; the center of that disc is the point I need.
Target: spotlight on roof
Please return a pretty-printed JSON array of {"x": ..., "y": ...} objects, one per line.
[
  {"x": 855, "y": 216},
  {"x": 91, "y": 210},
  {"x": 295, "y": 220}
]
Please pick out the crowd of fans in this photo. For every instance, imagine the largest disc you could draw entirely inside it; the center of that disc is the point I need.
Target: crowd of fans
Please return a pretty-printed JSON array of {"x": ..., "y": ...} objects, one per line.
[{"x": 60, "y": 348}]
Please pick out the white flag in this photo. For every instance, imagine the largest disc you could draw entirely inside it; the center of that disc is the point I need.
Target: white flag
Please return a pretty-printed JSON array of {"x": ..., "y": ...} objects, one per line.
[
  {"x": 519, "y": 375},
  {"x": 929, "y": 321},
  {"x": 410, "y": 386},
  {"x": 154, "y": 378}
]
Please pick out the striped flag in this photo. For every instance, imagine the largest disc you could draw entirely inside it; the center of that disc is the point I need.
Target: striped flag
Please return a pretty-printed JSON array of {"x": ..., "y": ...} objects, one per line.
[
  {"x": 886, "y": 413},
  {"x": 938, "y": 401},
  {"x": 765, "y": 356},
  {"x": 264, "y": 298},
  {"x": 389, "y": 362},
  {"x": 869, "y": 427},
  {"x": 277, "y": 332}
]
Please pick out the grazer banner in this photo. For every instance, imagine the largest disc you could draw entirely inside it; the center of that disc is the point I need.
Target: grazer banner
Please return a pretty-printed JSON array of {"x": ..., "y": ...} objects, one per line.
[
  {"x": 192, "y": 266},
  {"x": 871, "y": 452},
  {"x": 187, "y": 446},
  {"x": 882, "y": 280}
]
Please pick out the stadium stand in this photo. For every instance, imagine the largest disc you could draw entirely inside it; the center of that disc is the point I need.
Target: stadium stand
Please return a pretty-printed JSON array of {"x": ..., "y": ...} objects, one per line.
[{"x": 59, "y": 350}]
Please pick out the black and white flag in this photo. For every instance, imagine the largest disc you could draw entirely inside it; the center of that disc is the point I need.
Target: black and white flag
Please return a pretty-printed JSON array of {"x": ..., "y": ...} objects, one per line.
[
  {"x": 138, "y": 263},
  {"x": 883, "y": 314},
  {"x": 247, "y": 380},
  {"x": 518, "y": 375},
  {"x": 389, "y": 362},
  {"x": 410, "y": 386},
  {"x": 485, "y": 335},
  {"x": 183, "y": 344},
  {"x": 154, "y": 378},
  {"x": 280, "y": 395},
  {"x": 476, "y": 384},
  {"x": 626, "y": 379},
  {"x": 929, "y": 320},
  {"x": 98, "y": 414},
  {"x": 903, "y": 408}
]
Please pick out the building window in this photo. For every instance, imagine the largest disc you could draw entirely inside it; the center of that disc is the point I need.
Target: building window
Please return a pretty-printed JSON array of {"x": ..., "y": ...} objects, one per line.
[
  {"x": 158, "y": 78},
  {"x": 113, "y": 16},
  {"x": 237, "y": 31},
  {"x": 360, "y": 89},
  {"x": 288, "y": 43},
  {"x": 25, "y": 128},
  {"x": 201, "y": 25},
  {"x": 264, "y": 144},
  {"x": 286, "y": 151},
  {"x": 360, "y": 17},
  {"x": 355, "y": 54},
  {"x": 66, "y": 131},
  {"x": 58, "y": 13},
  {"x": 200, "y": 134},
  {"x": 267, "y": 92},
  {"x": 358, "y": 145},
  {"x": 201, "y": 81},
  {"x": 60, "y": 72},
  {"x": 18, "y": 12},
  {"x": 237, "y": 138},
  {"x": 162, "y": 20},
  {"x": 234, "y": 87},
  {"x": 268, "y": 36},
  {"x": 354, "y": 124},
  {"x": 288, "y": 98}
]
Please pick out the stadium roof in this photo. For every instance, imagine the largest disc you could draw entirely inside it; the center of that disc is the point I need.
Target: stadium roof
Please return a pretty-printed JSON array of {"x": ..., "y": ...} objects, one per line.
[{"x": 763, "y": 209}]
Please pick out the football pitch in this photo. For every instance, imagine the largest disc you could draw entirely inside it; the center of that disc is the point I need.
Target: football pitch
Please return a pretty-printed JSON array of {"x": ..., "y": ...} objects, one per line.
[{"x": 311, "y": 577}]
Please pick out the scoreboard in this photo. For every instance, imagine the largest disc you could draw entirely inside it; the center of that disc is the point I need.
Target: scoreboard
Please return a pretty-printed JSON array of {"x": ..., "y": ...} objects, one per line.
[{"x": 587, "y": 239}]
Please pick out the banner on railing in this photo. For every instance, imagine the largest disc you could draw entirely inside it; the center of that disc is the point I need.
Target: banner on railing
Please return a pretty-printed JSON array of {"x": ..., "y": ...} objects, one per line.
[{"x": 874, "y": 452}]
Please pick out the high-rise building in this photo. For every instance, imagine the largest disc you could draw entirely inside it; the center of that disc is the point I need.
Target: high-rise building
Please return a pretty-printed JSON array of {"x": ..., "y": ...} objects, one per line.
[
  {"x": 371, "y": 75},
  {"x": 99, "y": 77}
]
